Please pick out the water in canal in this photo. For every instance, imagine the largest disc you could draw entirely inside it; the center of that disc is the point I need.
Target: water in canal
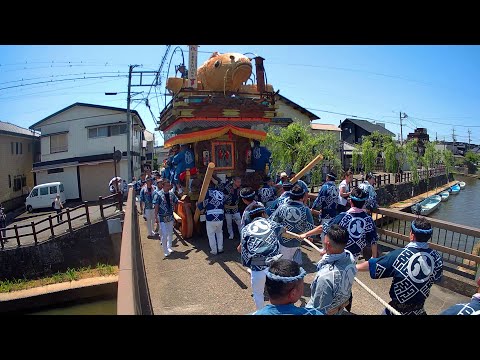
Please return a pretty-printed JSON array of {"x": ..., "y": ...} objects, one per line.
[
  {"x": 88, "y": 307},
  {"x": 463, "y": 208}
]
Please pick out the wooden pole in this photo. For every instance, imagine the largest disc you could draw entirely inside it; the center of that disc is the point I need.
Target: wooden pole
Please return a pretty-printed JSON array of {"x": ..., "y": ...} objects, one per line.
[
  {"x": 69, "y": 220},
  {"x": 34, "y": 233},
  {"x": 310, "y": 165},
  {"x": 203, "y": 191},
  {"x": 16, "y": 235},
  {"x": 100, "y": 203},
  {"x": 87, "y": 214}
]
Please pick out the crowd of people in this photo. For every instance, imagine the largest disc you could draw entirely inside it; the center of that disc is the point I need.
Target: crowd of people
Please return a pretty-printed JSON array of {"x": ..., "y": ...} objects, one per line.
[{"x": 275, "y": 220}]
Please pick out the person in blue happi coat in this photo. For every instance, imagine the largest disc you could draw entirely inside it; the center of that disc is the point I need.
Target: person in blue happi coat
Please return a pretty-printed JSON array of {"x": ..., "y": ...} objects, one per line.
[
  {"x": 413, "y": 268},
  {"x": 471, "y": 308},
  {"x": 284, "y": 284}
]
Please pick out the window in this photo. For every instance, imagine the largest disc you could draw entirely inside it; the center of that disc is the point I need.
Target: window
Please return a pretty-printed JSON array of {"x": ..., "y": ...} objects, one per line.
[
  {"x": 17, "y": 183},
  {"x": 53, "y": 189},
  {"x": 16, "y": 148},
  {"x": 21, "y": 150},
  {"x": 54, "y": 171},
  {"x": 44, "y": 191},
  {"x": 61, "y": 188},
  {"x": 34, "y": 193},
  {"x": 58, "y": 143},
  {"x": 95, "y": 132},
  {"x": 9, "y": 180},
  {"x": 118, "y": 130}
]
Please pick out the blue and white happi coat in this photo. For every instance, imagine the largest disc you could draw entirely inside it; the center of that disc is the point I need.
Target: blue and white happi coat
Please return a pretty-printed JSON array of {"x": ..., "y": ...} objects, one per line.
[
  {"x": 287, "y": 309},
  {"x": 213, "y": 205},
  {"x": 371, "y": 202},
  {"x": 165, "y": 212},
  {"x": 333, "y": 282},
  {"x": 295, "y": 217},
  {"x": 232, "y": 197},
  {"x": 327, "y": 199},
  {"x": 414, "y": 269},
  {"x": 146, "y": 196},
  {"x": 282, "y": 199},
  {"x": 259, "y": 243},
  {"x": 267, "y": 194},
  {"x": 472, "y": 308},
  {"x": 246, "y": 216},
  {"x": 360, "y": 228}
]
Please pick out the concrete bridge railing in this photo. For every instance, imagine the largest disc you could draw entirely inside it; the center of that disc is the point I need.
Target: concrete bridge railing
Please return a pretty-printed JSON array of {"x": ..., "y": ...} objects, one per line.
[{"x": 133, "y": 297}]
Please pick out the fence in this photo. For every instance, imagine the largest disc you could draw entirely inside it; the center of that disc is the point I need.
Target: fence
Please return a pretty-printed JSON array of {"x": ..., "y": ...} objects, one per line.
[
  {"x": 39, "y": 227},
  {"x": 458, "y": 244}
]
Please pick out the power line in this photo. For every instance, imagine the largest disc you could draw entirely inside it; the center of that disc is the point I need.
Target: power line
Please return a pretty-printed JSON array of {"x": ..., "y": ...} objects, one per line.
[
  {"x": 60, "y": 80},
  {"x": 53, "y": 76},
  {"x": 440, "y": 123}
]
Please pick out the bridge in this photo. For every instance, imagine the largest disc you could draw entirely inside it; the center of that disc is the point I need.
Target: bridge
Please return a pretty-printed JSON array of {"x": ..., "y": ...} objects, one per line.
[{"x": 191, "y": 281}]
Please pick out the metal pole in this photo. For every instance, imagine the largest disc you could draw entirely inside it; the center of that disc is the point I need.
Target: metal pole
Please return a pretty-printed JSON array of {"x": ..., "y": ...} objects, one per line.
[{"x": 129, "y": 127}]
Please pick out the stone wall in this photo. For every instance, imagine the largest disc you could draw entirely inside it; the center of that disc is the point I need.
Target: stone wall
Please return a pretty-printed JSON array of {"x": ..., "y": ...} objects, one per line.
[
  {"x": 86, "y": 246},
  {"x": 389, "y": 194}
]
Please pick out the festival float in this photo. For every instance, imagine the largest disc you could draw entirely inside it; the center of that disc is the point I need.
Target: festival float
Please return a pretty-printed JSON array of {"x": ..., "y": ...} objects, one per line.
[{"x": 214, "y": 119}]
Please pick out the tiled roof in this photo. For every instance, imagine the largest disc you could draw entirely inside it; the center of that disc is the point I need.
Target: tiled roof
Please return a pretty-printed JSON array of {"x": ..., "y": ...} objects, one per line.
[{"x": 14, "y": 129}]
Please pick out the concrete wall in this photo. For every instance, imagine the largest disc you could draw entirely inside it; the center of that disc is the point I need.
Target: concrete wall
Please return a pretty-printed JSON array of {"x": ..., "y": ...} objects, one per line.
[
  {"x": 14, "y": 165},
  {"x": 390, "y": 194},
  {"x": 86, "y": 246}
]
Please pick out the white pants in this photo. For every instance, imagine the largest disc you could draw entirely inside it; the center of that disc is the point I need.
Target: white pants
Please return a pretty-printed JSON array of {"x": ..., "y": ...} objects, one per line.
[
  {"x": 150, "y": 216},
  {"x": 167, "y": 236},
  {"x": 238, "y": 220},
  {"x": 287, "y": 252},
  {"x": 258, "y": 285},
  {"x": 215, "y": 228}
]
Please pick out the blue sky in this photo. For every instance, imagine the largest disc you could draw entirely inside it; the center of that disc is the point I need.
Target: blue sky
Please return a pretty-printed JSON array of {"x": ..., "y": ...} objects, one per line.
[{"x": 436, "y": 86}]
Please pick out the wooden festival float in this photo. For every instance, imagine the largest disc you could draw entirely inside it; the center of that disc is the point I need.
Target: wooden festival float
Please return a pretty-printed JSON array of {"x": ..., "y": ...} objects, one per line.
[{"x": 218, "y": 116}]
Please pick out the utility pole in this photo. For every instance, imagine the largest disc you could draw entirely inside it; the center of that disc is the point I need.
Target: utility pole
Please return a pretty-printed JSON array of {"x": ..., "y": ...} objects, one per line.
[
  {"x": 129, "y": 127},
  {"x": 402, "y": 116},
  {"x": 453, "y": 136},
  {"x": 469, "y": 133}
]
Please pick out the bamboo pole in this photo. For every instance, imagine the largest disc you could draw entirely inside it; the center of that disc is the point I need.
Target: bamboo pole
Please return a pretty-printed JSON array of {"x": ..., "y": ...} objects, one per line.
[
  {"x": 310, "y": 165},
  {"x": 203, "y": 191}
]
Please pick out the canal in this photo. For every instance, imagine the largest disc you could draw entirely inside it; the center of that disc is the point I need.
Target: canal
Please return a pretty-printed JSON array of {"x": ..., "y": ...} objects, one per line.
[
  {"x": 97, "y": 306},
  {"x": 463, "y": 208}
]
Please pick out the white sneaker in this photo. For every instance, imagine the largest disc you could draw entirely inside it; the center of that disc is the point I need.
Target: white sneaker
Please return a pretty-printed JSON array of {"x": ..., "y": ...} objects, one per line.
[
  {"x": 170, "y": 251},
  {"x": 213, "y": 253},
  {"x": 166, "y": 254},
  {"x": 230, "y": 237}
]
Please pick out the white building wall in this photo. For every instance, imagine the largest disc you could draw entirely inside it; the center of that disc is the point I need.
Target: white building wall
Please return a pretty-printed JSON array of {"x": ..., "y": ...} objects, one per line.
[
  {"x": 74, "y": 121},
  {"x": 68, "y": 177}
]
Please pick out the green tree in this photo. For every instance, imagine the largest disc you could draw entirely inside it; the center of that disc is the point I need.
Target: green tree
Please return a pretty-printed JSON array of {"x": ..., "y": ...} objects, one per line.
[
  {"x": 391, "y": 161},
  {"x": 369, "y": 154},
  {"x": 448, "y": 161},
  {"x": 356, "y": 156},
  {"x": 472, "y": 157},
  {"x": 430, "y": 158},
  {"x": 412, "y": 159},
  {"x": 296, "y": 146}
]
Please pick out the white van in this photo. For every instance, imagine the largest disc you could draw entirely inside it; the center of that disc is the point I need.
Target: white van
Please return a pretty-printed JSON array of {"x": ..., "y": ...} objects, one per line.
[{"x": 43, "y": 196}]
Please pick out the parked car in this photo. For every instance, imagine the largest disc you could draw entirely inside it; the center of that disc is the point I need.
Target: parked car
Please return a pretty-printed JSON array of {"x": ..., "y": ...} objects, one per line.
[{"x": 43, "y": 196}]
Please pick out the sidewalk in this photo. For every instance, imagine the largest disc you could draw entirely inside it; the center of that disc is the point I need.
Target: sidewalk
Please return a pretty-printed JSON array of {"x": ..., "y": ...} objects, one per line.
[{"x": 191, "y": 281}]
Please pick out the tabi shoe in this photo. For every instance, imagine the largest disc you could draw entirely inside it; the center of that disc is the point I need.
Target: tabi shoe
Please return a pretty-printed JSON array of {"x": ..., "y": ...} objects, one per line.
[{"x": 230, "y": 237}]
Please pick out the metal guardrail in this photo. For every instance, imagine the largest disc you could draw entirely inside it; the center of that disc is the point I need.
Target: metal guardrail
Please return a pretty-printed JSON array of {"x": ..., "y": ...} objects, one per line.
[
  {"x": 133, "y": 297},
  {"x": 102, "y": 201},
  {"x": 458, "y": 244}
]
